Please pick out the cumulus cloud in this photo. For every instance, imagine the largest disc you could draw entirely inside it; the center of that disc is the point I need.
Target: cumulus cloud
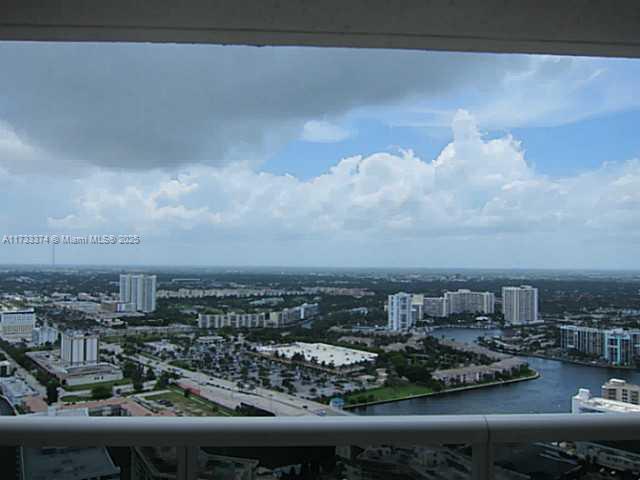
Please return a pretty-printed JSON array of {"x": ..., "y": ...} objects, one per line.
[{"x": 475, "y": 187}]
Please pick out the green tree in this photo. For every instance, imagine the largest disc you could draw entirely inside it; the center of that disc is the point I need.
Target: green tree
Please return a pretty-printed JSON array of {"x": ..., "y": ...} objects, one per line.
[
  {"x": 129, "y": 370},
  {"x": 52, "y": 392},
  {"x": 151, "y": 375},
  {"x": 137, "y": 385},
  {"x": 162, "y": 382},
  {"x": 100, "y": 392}
]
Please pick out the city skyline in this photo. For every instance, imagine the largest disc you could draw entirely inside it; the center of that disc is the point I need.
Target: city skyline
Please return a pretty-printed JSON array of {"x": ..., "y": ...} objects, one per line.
[{"x": 432, "y": 160}]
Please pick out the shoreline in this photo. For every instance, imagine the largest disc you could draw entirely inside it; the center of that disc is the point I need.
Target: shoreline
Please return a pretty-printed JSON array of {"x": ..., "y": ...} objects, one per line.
[
  {"x": 449, "y": 390},
  {"x": 543, "y": 356},
  {"x": 467, "y": 327},
  {"x": 575, "y": 362}
]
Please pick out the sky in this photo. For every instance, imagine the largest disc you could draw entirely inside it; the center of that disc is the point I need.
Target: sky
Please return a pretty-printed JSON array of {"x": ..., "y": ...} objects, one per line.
[{"x": 282, "y": 156}]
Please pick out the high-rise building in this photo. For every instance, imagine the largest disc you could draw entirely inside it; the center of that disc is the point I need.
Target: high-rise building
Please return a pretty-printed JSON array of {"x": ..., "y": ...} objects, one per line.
[
  {"x": 620, "y": 390},
  {"x": 417, "y": 307},
  {"x": 44, "y": 334},
  {"x": 520, "y": 304},
  {"x": 125, "y": 288},
  {"x": 435, "y": 307},
  {"x": 582, "y": 339},
  {"x": 617, "y": 346},
  {"x": 78, "y": 348},
  {"x": 465, "y": 300},
  {"x": 139, "y": 290},
  {"x": 17, "y": 325},
  {"x": 402, "y": 312}
]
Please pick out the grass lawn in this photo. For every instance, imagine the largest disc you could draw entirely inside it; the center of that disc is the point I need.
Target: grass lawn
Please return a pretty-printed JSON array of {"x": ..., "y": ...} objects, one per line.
[
  {"x": 396, "y": 393},
  {"x": 89, "y": 386},
  {"x": 192, "y": 405},
  {"x": 387, "y": 393}
]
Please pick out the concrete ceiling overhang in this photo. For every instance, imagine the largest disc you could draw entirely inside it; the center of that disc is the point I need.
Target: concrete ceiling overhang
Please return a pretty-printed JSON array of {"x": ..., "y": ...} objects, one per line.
[{"x": 576, "y": 27}]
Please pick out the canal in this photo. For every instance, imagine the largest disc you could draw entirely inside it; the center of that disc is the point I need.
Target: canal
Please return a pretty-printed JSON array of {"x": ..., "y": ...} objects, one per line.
[{"x": 551, "y": 393}]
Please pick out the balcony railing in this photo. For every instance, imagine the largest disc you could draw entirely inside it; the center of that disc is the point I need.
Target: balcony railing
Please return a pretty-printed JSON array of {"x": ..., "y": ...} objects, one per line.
[{"x": 188, "y": 433}]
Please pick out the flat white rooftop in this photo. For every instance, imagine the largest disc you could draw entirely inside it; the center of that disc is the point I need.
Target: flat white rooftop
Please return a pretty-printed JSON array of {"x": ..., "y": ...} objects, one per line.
[
  {"x": 322, "y": 352},
  {"x": 612, "y": 406},
  {"x": 583, "y": 402}
]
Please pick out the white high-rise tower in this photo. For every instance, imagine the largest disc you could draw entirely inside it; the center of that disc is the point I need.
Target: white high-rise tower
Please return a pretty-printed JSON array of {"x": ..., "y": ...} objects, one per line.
[
  {"x": 79, "y": 348},
  {"x": 401, "y": 314},
  {"x": 520, "y": 304},
  {"x": 139, "y": 290}
]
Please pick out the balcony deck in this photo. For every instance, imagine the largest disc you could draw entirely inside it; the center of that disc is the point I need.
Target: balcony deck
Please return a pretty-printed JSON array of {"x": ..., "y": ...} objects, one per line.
[{"x": 188, "y": 433}]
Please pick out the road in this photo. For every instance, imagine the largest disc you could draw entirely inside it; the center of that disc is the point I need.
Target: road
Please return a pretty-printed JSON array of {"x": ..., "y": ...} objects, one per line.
[
  {"x": 228, "y": 394},
  {"x": 26, "y": 376}
]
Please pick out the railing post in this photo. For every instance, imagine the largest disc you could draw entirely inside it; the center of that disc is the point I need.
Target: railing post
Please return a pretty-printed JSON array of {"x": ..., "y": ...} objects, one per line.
[
  {"x": 187, "y": 462},
  {"x": 482, "y": 461}
]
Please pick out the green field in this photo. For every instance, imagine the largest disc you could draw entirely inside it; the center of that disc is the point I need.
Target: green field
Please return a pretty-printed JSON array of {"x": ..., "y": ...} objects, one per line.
[
  {"x": 89, "y": 386},
  {"x": 192, "y": 405},
  {"x": 383, "y": 394}
]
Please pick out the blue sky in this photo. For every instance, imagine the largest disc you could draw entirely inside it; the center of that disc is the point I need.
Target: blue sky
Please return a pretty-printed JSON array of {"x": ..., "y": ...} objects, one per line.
[
  {"x": 327, "y": 157},
  {"x": 554, "y": 150}
]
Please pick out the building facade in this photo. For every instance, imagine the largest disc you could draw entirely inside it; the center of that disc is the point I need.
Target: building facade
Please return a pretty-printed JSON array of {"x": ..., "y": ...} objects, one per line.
[
  {"x": 44, "y": 334},
  {"x": 6, "y": 368},
  {"x": 620, "y": 390},
  {"x": 277, "y": 319},
  {"x": 582, "y": 339},
  {"x": 16, "y": 390},
  {"x": 79, "y": 348},
  {"x": 139, "y": 291},
  {"x": 233, "y": 320},
  {"x": 616, "y": 346},
  {"x": 479, "y": 373},
  {"x": 402, "y": 312},
  {"x": 16, "y": 325},
  {"x": 435, "y": 307},
  {"x": 520, "y": 304},
  {"x": 463, "y": 301}
]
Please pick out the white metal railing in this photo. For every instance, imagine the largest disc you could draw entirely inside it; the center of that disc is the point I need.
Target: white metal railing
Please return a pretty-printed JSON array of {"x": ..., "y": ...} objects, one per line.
[{"x": 188, "y": 433}]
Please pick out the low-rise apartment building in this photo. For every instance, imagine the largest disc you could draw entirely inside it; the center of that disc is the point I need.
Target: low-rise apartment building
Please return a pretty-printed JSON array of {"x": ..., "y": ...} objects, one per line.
[{"x": 277, "y": 319}]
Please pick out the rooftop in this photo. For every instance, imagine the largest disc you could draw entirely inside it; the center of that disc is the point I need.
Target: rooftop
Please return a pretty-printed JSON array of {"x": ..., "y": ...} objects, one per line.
[
  {"x": 16, "y": 387},
  {"x": 67, "y": 463},
  {"x": 322, "y": 352},
  {"x": 599, "y": 404}
]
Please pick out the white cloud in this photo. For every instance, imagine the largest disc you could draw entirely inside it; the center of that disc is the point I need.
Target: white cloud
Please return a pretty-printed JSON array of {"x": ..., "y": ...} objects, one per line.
[
  {"x": 320, "y": 131},
  {"x": 474, "y": 187},
  {"x": 14, "y": 149}
]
